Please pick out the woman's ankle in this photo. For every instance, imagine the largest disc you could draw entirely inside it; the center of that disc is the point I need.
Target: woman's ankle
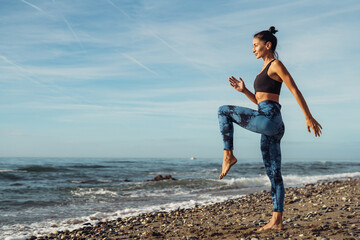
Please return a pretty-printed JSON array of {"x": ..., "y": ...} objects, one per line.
[{"x": 228, "y": 153}]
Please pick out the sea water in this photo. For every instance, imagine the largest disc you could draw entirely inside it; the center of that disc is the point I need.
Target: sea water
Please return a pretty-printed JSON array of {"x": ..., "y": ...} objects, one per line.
[{"x": 41, "y": 195}]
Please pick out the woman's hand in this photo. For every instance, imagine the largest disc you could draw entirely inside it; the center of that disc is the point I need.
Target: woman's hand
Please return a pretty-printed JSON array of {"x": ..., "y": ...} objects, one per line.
[
  {"x": 237, "y": 84},
  {"x": 314, "y": 125}
]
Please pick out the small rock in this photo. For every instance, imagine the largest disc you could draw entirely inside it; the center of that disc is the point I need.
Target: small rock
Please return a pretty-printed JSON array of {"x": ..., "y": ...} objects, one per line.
[
  {"x": 191, "y": 237},
  {"x": 161, "y": 178},
  {"x": 324, "y": 226},
  {"x": 321, "y": 238}
]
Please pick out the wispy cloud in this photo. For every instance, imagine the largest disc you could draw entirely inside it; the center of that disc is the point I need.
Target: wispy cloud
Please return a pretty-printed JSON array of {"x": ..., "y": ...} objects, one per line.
[
  {"x": 340, "y": 11},
  {"x": 140, "y": 23},
  {"x": 49, "y": 86},
  {"x": 139, "y": 63},
  {"x": 115, "y": 6},
  {"x": 35, "y": 7},
  {"x": 26, "y": 74},
  {"x": 74, "y": 34},
  {"x": 167, "y": 44},
  {"x": 192, "y": 63},
  {"x": 72, "y": 31}
]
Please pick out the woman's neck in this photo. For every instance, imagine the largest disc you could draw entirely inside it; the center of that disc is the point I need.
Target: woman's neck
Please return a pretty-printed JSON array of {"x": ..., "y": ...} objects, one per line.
[{"x": 268, "y": 59}]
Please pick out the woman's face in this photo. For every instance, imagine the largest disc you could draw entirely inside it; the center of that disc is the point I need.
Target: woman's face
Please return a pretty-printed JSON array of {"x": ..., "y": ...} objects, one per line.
[{"x": 260, "y": 49}]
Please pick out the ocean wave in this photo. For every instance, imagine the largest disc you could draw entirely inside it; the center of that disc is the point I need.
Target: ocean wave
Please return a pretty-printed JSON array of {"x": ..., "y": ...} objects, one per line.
[
  {"x": 81, "y": 192},
  {"x": 28, "y": 203},
  {"x": 157, "y": 193},
  {"x": 294, "y": 180},
  {"x": 83, "y": 166},
  {"x": 168, "y": 172},
  {"x": 39, "y": 168},
  {"x": 9, "y": 176},
  {"x": 11, "y": 171},
  {"x": 289, "y": 180},
  {"x": 91, "y": 181},
  {"x": 244, "y": 182},
  {"x": 168, "y": 184}
]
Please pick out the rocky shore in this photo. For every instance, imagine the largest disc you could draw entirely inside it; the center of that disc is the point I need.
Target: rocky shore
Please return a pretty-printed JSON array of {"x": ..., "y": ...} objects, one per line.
[{"x": 325, "y": 210}]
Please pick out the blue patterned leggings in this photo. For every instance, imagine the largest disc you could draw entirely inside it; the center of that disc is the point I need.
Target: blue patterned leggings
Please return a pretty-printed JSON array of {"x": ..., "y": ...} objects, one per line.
[{"x": 268, "y": 122}]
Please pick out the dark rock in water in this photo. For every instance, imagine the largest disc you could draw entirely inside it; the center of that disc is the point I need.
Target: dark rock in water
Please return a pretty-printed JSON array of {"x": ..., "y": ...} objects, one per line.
[{"x": 160, "y": 178}]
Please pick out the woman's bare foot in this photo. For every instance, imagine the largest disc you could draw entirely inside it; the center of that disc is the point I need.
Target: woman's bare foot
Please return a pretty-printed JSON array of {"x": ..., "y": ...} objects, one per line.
[
  {"x": 228, "y": 161},
  {"x": 274, "y": 224}
]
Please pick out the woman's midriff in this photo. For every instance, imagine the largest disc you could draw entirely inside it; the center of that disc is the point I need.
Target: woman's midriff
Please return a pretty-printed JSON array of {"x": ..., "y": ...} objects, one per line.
[{"x": 263, "y": 96}]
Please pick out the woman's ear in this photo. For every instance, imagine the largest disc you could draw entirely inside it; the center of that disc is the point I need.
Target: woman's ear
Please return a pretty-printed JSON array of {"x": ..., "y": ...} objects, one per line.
[{"x": 268, "y": 45}]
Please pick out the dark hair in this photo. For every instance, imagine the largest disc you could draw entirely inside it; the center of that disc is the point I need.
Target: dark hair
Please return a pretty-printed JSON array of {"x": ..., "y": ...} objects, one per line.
[{"x": 268, "y": 36}]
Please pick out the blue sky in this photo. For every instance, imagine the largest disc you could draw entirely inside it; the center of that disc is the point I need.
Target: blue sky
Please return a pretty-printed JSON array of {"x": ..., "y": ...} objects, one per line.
[{"x": 111, "y": 78}]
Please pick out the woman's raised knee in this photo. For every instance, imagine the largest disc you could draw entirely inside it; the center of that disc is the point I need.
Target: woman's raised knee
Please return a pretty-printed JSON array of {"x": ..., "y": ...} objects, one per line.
[{"x": 222, "y": 109}]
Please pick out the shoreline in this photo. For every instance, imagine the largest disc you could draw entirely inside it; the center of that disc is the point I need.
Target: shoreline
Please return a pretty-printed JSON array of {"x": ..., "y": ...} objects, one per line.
[{"x": 324, "y": 210}]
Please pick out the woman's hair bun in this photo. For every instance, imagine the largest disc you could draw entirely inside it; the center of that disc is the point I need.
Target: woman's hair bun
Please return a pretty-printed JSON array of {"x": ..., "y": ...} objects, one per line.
[{"x": 273, "y": 30}]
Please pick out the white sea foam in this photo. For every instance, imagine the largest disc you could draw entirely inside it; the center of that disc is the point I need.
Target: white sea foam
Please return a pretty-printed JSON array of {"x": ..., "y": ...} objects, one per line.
[
  {"x": 10, "y": 170},
  {"x": 162, "y": 173},
  {"x": 158, "y": 193},
  {"x": 80, "y": 192},
  {"x": 77, "y": 181},
  {"x": 105, "y": 181},
  {"x": 289, "y": 180},
  {"x": 91, "y": 181},
  {"x": 293, "y": 180},
  {"x": 209, "y": 170},
  {"x": 244, "y": 182}
]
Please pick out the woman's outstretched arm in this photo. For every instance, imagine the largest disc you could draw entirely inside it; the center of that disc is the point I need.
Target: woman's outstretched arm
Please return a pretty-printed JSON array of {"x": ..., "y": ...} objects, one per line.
[
  {"x": 283, "y": 73},
  {"x": 239, "y": 85}
]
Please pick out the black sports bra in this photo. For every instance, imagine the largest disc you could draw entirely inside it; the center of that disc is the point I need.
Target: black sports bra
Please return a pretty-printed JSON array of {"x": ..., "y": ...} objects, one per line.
[{"x": 264, "y": 83}]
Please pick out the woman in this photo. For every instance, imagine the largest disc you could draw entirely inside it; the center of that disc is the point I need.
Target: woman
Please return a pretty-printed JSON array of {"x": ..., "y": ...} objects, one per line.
[{"x": 267, "y": 120}]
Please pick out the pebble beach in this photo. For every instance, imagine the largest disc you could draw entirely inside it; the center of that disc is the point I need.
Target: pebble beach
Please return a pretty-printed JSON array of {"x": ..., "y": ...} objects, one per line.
[{"x": 324, "y": 210}]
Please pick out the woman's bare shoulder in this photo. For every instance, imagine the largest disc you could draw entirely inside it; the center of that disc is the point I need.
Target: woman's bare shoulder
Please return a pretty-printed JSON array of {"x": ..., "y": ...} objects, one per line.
[
  {"x": 278, "y": 66},
  {"x": 277, "y": 63}
]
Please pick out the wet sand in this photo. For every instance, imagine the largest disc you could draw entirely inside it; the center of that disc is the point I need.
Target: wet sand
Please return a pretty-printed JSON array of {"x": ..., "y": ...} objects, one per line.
[{"x": 325, "y": 210}]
